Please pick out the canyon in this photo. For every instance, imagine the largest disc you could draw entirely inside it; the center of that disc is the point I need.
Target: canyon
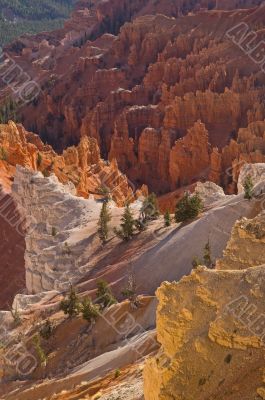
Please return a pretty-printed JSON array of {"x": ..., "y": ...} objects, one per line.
[
  {"x": 139, "y": 102},
  {"x": 140, "y": 78}
]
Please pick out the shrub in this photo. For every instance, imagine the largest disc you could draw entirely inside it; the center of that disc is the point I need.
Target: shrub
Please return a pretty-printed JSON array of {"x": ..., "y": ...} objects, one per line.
[
  {"x": 39, "y": 160},
  {"x": 167, "y": 219},
  {"x": 16, "y": 316},
  {"x": 126, "y": 230},
  {"x": 117, "y": 373},
  {"x": 71, "y": 305},
  {"x": 130, "y": 290},
  {"x": 188, "y": 207},
  {"x": 248, "y": 188},
  {"x": 104, "y": 295},
  {"x": 196, "y": 262},
  {"x": 207, "y": 255},
  {"x": 149, "y": 210},
  {"x": 104, "y": 219},
  {"x": 46, "y": 330},
  {"x": 3, "y": 154},
  {"x": 39, "y": 350},
  {"x": 89, "y": 310},
  {"x": 54, "y": 231}
]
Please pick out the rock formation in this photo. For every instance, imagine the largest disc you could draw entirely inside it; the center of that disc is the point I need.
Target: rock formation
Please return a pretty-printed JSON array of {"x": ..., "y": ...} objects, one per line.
[
  {"x": 141, "y": 88},
  {"x": 211, "y": 326}
]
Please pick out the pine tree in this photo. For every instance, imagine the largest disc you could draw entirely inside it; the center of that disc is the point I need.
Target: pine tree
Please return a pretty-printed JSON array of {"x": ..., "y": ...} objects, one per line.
[
  {"x": 188, "y": 207},
  {"x": 104, "y": 295},
  {"x": 130, "y": 291},
  {"x": 71, "y": 305},
  {"x": 149, "y": 210},
  {"x": 89, "y": 310},
  {"x": 103, "y": 222},
  {"x": 126, "y": 230},
  {"x": 248, "y": 187},
  {"x": 207, "y": 255},
  {"x": 167, "y": 219}
]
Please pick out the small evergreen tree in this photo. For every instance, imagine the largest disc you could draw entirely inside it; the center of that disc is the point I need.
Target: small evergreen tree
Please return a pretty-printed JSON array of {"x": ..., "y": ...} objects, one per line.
[
  {"x": 167, "y": 219},
  {"x": 130, "y": 291},
  {"x": 71, "y": 305},
  {"x": 39, "y": 160},
  {"x": 188, "y": 207},
  {"x": 89, "y": 310},
  {"x": 46, "y": 330},
  {"x": 104, "y": 295},
  {"x": 196, "y": 262},
  {"x": 207, "y": 255},
  {"x": 127, "y": 226},
  {"x": 149, "y": 210},
  {"x": 104, "y": 219},
  {"x": 248, "y": 187}
]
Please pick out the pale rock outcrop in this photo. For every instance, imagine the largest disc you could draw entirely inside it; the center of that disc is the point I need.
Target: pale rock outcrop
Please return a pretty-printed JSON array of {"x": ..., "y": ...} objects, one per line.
[
  {"x": 257, "y": 174},
  {"x": 209, "y": 192},
  {"x": 211, "y": 326},
  {"x": 53, "y": 213}
]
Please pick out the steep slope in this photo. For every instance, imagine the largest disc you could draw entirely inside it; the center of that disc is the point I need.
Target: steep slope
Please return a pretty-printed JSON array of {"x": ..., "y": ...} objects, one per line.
[{"x": 211, "y": 326}]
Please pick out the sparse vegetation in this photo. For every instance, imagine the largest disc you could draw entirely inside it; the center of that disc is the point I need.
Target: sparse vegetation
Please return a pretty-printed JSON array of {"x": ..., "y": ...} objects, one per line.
[
  {"x": 248, "y": 188},
  {"x": 188, "y": 207},
  {"x": 66, "y": 249},
  {"x": 54, "y": 231},
  {"x": 150, "y": 209},
  {"x": 90, "y": 311},
  {"x": 39, "y": 350},
  {"x": 46, "y": 330},
  {"x": 167, "y": 219},
  {"x": 130, "y": 290},
  {"x": 39, "y": 160},
  {"x": 196, "y": 262},
  {"x": 104, "y": 295},
  {"x": 71, "y": 305},
  {"x": 3, "y": 154},
  {"x": 117, "y": 373},
  {"x": 104, "y": 219},
  {"x": 127, "y": 227},
  {"x": 16, "y": 316},
  {"x": 207, "y": 255}
]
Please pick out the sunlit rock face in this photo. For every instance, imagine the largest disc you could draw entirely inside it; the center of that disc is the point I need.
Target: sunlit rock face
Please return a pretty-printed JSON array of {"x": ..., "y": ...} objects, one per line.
[{"x": 211, "y": 326}]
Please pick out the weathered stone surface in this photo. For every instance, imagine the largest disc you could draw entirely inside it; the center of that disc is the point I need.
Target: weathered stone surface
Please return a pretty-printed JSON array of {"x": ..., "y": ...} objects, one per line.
[{"x": 211, "y": 326}]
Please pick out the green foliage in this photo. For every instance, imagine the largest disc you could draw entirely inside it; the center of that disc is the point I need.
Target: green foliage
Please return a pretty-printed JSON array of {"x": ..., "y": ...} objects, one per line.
[
  {"x": 71, "y": 304},
  {"x": 117, "y": 373},
  {"x": 16, "y": 316},
  {"x": 39, "y": 160},
  {"x": 167, "y": 219},
  {"x": 126, "y": 230},
  {"x": 46, "y": 330},
  {"x": 89, "y": 310},
  {"x": 150, "y": 209},
  {"x": 104, "y": 295},
  {"x": 188, "y": 207},
  {"x": 248, "y": 188},
  {"x": 196, "y": 262},
  {"x": 3, "y": 154},
  {"x": 207, "y": 255},
  {"x": 54, "y": 231},
  {"x": 104, "y": 219},
  {"x": 31, "y": 16},
  {"x": 39, "y": 350},
  {"x": 130, "y": 291},
  {"x": 8, "y": 111}
]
